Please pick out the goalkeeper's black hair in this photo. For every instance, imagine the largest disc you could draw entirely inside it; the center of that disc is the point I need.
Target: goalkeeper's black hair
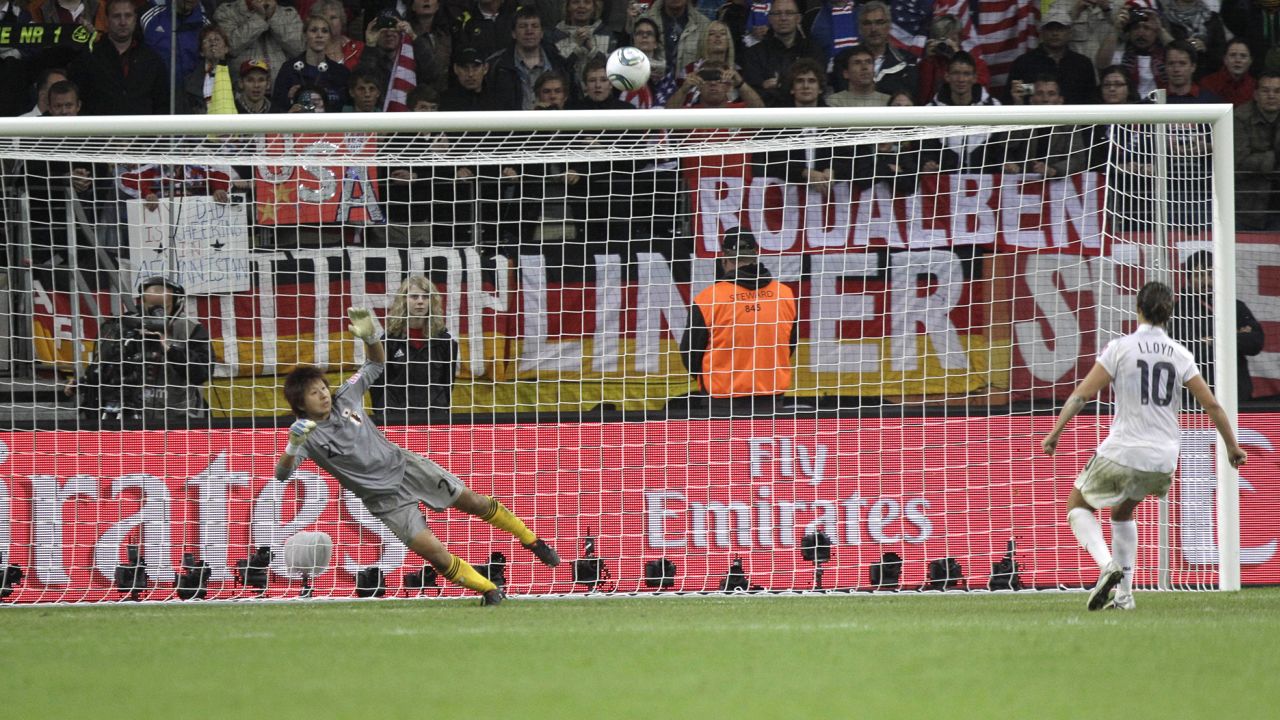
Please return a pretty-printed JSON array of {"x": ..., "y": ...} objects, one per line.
[
  {"x": 296, "y": 384},
  {"x": 1155, "y": 302}
]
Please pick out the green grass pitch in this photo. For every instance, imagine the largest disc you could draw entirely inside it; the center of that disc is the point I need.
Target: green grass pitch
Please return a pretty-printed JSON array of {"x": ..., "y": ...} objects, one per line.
[{"x": 1021, "y": 655}]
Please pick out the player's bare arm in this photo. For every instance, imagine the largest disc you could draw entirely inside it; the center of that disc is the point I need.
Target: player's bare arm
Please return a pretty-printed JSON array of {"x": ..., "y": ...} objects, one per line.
[
  {"x": 1200, "y": 389},
  {"x": 1093, "y": 383}
]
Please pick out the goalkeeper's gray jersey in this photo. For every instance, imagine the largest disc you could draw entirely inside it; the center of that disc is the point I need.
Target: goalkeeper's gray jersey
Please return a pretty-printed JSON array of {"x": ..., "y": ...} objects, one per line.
[{"x": 351, "y": 448}]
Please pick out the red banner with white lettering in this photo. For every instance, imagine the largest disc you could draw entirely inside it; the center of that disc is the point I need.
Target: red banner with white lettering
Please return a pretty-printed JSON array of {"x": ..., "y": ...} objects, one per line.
[
  {"x": 698, "y": 493},
  {"x": 314, "y": 193}
]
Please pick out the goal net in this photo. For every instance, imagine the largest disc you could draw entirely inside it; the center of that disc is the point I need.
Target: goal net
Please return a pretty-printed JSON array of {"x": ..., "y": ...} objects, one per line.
[{"x": 697, "y": 351}]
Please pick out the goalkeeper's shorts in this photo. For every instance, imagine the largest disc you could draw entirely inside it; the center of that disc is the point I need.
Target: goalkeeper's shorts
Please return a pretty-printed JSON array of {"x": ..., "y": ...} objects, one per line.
[
  {"x": 1105, "y": 483},
  {"x": 424, "y": 481}
]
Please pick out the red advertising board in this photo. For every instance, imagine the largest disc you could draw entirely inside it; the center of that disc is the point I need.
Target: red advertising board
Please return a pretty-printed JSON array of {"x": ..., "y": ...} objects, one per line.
[{"x": 696, "y": 492}]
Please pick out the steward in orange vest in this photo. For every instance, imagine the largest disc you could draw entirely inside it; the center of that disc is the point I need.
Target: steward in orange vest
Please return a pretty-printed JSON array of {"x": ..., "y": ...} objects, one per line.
[{"x": 742, "y": 331}]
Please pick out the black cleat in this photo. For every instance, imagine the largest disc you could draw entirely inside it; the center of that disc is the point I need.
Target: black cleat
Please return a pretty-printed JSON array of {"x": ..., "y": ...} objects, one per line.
[
  {"x": 492, "y": 597},
  {"x": 543, "y": 552}
]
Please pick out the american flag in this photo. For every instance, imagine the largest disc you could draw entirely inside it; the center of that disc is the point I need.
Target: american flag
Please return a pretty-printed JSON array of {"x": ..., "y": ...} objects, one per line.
[
  {"x": 404, "y": 78},
  {"x": 1000, "y": 30}
]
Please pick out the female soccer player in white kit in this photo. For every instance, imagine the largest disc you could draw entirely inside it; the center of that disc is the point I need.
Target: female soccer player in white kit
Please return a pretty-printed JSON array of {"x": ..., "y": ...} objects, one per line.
[{"x": 1147, "y": 370}]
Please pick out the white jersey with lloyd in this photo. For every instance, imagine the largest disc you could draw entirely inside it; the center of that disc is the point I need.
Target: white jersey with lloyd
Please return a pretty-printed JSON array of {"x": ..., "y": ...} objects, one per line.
[{"x": 1148, "y": 370}]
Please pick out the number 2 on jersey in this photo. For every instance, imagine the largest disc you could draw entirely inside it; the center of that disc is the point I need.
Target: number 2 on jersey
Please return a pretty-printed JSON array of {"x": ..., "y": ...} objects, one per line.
[{"x": 1157, "y": 383}]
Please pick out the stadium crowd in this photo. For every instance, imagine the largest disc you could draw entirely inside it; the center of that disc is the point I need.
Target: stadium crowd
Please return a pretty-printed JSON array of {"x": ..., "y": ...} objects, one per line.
[{"x": 311, "y": 56}]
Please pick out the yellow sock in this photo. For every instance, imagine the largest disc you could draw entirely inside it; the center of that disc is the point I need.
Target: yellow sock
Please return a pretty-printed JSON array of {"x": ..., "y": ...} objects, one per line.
[
  {"x": 461, "y": 572},
  {"x": 501, "y": 518}
]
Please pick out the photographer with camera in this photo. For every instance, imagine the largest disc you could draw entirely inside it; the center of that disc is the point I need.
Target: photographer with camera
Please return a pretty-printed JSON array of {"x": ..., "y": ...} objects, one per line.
[
  {"x": 149, "y": 365},
  {"x": 1137, "y": 46}
]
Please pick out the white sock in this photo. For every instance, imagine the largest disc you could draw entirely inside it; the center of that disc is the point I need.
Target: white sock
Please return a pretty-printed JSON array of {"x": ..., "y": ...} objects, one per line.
[
  {"x": 1124, "y": 545},
  {"x": 1088, "y": 531}
]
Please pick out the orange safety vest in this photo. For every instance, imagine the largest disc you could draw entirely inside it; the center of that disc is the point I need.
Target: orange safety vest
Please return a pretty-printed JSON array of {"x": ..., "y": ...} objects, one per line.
[{"x": 749, "y": 349}]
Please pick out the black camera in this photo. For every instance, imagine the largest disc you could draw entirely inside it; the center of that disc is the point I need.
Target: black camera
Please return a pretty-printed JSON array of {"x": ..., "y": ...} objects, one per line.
[
  {"x": 253, "y": 571},
  {"x": 1136, "y": 16},
  {"x": 710, "y": 75},
  {"x": 386, "y": 20},
  {"x": 371, "y": 582},
  {"x": 943, "y": 50},
  {"x": 10, "y": 577},
  {"x": 193, "y": 581},
  {"x": 660, "y": 573},
  {"x": 131, "y": 576},
  {"x": 816, "y": 547},
  {"x": 308, "y": 101}
]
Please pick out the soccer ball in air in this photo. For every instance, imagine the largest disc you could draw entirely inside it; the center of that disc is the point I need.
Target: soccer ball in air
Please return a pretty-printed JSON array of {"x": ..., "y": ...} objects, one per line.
[
  {"x": 628, "y": 68},
  {"x": 308, "y": 553}
]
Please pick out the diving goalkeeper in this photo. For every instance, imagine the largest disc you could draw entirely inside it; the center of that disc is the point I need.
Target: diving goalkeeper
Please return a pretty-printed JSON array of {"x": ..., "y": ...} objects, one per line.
[{"x": 334, "y": 431}]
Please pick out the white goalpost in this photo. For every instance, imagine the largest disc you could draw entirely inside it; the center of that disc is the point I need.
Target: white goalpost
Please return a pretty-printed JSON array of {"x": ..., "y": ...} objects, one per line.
[{"x": 955, "y": 272}]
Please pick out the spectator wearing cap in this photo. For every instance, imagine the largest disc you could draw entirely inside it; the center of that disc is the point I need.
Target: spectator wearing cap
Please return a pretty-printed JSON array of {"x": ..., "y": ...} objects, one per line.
[
  {"x": 1055, "y": 57},
  {"x": 197, "y": 87},
  {"x": 121, "y": 75},
  {"x": 515, "y": 70},
  {"x": 261, "y": 30},
  {"x": 255, "y": 84},
  {"x": 469, "y": 93},
  {"x": 742, "y": 332},
  {"x": 159, "y": 22},
  {"x": 314, "y": 68}
]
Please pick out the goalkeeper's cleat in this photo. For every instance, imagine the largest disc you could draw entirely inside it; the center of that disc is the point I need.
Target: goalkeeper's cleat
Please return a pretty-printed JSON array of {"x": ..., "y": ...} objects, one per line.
[
  {"x": 543, "y": 552},
  {"x": 1120, "y": 602},
  {"x": 492, "y": 597},
  {"x": 1111, "y": 576}
]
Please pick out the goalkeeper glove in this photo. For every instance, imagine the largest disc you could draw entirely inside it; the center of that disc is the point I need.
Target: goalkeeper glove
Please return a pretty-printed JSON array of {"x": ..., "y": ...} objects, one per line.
[
  {"x": 298, "y": 433},
  {"x": 364, "y": 325}
]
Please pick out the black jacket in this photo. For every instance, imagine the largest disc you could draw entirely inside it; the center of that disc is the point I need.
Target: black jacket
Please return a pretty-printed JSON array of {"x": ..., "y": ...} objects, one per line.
[
  {"x": 1193, "y": 320},
  {"x": 136, "y": 83},
  {"x": 419, "y": 376},
  {"x": 133, "y": 376}
]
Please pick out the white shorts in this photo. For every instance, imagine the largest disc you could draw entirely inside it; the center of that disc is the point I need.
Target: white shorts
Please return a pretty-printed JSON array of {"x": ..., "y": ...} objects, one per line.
[{"x": 1105, "y": 484}]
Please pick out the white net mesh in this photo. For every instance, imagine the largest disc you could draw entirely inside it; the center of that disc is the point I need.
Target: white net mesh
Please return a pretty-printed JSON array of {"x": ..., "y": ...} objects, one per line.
[{"x": 871, "y": 392}]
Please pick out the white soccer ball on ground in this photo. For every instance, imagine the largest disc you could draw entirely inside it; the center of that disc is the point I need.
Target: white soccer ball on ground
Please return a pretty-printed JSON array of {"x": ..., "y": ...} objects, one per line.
[
  {"x": 307, "y": 554},
  {"x": 628, "y": 68}
]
